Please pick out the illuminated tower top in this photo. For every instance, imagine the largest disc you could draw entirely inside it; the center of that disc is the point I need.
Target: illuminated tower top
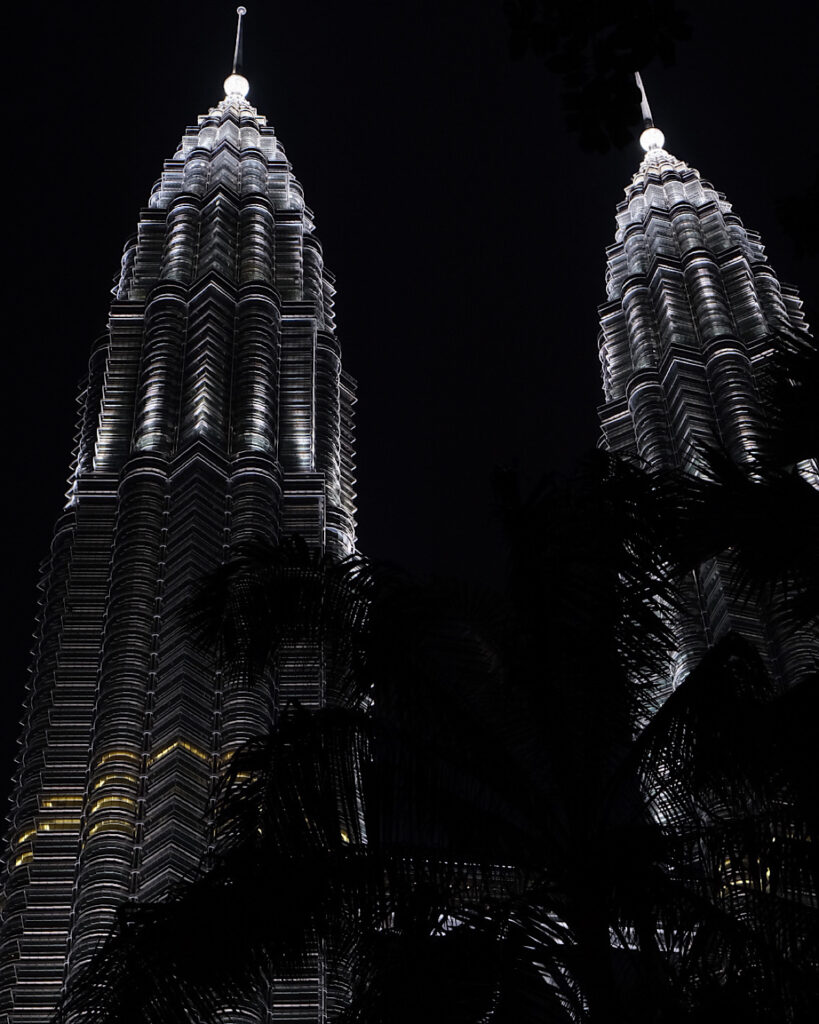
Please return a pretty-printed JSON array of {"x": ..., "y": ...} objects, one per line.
[
  {"x": 693, "y": 306},
  {"x": 693, "y": 316}
]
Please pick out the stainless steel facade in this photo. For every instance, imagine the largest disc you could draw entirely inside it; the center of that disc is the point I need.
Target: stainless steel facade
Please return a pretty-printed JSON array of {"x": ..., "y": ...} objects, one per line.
[
  {"x": 215, "y": 412},
  {"x": 691, "y": 319}
]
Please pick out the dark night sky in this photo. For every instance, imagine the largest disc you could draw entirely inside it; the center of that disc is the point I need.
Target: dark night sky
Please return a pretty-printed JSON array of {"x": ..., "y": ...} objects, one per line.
[{"x": 465, "y": 226}]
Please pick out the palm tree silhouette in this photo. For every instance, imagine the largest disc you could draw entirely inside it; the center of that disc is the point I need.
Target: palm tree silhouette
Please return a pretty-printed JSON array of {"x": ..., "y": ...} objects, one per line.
[{"x": 491, "y": 819}]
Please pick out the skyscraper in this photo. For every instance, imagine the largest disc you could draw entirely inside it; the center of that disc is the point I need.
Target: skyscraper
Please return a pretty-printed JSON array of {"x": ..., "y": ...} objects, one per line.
[
  {"x": 215, "y": 412},
  {"x": 691, "y": 322}
]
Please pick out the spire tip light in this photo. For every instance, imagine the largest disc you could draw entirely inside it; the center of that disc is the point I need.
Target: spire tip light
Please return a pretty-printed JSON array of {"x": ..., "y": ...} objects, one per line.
[
  {"x": 652, "y": 138},
  {"x": 236, "y": 85}
]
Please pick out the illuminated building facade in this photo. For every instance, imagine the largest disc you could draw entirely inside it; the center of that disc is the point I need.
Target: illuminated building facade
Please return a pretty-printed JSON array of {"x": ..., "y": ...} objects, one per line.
[
  {"x": 215, "y": 413},
  {"x": 690, "y": 323}
]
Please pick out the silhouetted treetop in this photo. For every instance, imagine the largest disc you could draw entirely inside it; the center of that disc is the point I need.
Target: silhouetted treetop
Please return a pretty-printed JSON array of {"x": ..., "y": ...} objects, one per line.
[{"x": 595, "y": 48}]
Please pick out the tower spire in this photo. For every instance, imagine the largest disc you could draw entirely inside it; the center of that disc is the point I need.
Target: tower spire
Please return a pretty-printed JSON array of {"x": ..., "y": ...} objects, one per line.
[
  {"x": 652, "y": 137},
  {"x": 237, "y": 49},
  {"x": 236, "y": 85}
]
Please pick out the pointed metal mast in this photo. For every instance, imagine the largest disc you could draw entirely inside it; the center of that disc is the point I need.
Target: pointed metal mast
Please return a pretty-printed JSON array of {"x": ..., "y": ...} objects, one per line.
[
  {"x": 652, "y": 137},
  {"x": 648, "y": 120},
  {"x": 237, "y": 49},
  {"x": 236, "y": 85}
]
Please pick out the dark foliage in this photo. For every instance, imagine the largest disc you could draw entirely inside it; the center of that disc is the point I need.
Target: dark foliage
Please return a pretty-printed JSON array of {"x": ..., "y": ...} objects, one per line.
[
  {"x": 490, "y": 821},
  {"x": 790, "y": 395},
  {"x": 595, "y": 48},
  {"x": 758, "y": 518}
]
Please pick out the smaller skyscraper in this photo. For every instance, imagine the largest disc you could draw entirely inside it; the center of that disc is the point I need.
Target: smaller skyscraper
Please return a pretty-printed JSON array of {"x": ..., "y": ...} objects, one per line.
[{"x": 690, "y": 324}]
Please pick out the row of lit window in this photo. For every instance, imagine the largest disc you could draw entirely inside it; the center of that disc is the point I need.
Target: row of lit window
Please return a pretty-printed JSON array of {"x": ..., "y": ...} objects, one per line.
[
  {"x": 53, "y": 825},
  {"x": 125, "y": 802}
]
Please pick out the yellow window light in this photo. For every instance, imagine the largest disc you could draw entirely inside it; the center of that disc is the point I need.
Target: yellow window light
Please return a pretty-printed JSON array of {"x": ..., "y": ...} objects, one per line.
[
  {"x": 29, "y": 832},
  {"x": 116, "y": 778},
  {"x": 60, "y": 801},
  {"x": 24, "y": 858},
  {"x": 179, "y": 745},
  {"x": 112, "y": 825},
  {"x": 113, "y": 801},
  {"x": 117, "y": 755}
]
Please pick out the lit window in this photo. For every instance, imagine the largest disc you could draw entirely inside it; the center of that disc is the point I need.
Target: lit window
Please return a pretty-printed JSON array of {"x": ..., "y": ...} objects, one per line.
[
  {"x": 176, "y": 745},
  {"x": 59, "y": 801},
  {"x": 123, "y": 827},
  {"x": 113, "y": 801},
  {"x": 117, "y": 755},
  {"x": 115, "y": 778}
]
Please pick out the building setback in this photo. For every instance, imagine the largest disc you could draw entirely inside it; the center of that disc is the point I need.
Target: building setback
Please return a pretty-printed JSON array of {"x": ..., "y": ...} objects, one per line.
[
  {"x": 215, "y": 413},
  {"x": 687, "y": 333}
]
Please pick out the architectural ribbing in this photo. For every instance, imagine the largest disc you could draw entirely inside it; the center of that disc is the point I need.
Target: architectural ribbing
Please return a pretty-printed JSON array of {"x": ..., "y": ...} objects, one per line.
[{"x": 215, "y": 413}]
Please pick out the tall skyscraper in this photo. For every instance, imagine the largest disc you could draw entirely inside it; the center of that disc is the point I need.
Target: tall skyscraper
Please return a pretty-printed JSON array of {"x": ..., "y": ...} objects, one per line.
[
  {"x": 690, "y": 325},
  {"x": 215, "y": 412}
]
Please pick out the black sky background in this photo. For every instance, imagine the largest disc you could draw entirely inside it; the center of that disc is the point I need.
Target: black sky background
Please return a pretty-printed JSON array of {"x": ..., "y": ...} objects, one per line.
[{"x": 465, "y": 226}]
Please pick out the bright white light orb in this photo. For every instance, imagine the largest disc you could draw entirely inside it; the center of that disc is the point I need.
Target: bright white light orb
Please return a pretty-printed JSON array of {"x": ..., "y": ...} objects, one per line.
[
  {"x": 237, "y": 85},
  {"x": 652, "y": 138}
]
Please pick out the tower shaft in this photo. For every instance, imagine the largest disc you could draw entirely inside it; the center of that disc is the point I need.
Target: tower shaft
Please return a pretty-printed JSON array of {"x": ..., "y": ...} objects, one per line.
[{"x": 215, "y": 414}]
